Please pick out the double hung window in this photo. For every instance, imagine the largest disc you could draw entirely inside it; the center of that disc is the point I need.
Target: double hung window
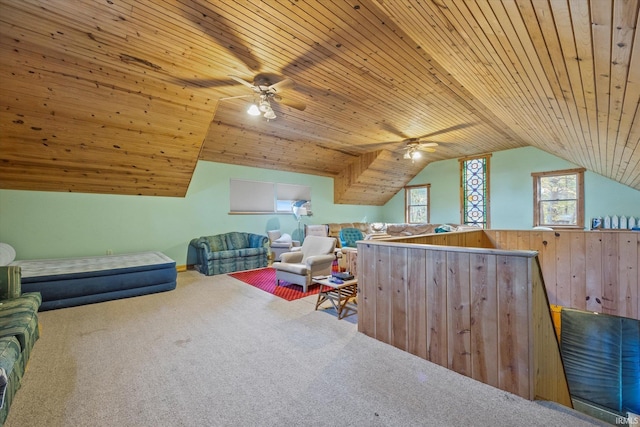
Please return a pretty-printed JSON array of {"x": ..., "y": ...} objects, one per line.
[
  {"x": 558, "y": 198},
  {"x": 416, "y": 208}
]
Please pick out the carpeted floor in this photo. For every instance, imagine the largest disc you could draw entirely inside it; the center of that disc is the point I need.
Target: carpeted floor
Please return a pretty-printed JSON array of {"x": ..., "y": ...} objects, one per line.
[
  {"x": 216, "y": 352},
  {"x": 265, "y": 279}
]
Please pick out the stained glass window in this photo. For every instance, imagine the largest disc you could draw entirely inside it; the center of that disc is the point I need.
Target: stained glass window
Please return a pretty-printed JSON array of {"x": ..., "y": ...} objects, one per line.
[
  {"x": 475, "y": 191},
  {"x": 417, "y": 203}
]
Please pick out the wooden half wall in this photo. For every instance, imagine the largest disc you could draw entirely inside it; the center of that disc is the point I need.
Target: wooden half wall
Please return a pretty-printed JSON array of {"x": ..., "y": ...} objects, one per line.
[
  {"x": 480, "y": 312},
  {"x": 467, "y": 239},
  {"x": 596, "y": 271}
]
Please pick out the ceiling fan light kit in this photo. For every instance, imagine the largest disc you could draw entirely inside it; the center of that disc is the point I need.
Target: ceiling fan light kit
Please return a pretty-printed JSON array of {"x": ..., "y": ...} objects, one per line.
[
  {"x": 270, "y": 115},
  {"x": 414, "y": 147},
  {"x": 412, "y": 154},
  {"x": 264, "y": 105},
  {"x": 267, "y": 92},
  {"x": 253, "y": 110}
]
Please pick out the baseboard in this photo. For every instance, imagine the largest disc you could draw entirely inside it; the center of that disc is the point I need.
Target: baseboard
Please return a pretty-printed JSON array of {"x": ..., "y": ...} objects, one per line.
[{"x": 181, "y": 268}]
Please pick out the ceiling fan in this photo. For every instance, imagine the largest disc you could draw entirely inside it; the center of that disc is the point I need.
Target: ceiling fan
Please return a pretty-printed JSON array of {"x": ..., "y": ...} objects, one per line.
[
  {"x": 414, "y": 146},
  {"x": 264, "y": 92}
]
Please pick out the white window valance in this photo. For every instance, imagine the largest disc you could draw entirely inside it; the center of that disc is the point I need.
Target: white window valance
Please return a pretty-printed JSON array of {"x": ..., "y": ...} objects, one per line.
[{"x": 265, "y": 197}]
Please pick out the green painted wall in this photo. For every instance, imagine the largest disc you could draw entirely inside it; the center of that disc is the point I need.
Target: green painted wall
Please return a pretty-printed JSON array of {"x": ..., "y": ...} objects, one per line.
[
  {"x": 511, "y": 193},
  {"x": 55, "y": 225}
]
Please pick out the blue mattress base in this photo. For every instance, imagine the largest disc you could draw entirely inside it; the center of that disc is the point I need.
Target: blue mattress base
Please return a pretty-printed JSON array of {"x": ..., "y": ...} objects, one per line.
[
  {"x": 77, "y": 281},
  {"x": 107, "y": 296}
]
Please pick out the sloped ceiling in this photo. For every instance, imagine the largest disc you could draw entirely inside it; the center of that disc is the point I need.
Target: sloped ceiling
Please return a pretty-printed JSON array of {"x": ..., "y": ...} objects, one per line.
[{"x": 124, "y": 97}]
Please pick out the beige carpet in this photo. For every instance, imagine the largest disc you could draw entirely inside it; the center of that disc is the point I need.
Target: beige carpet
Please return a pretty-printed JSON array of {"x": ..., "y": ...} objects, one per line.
[{"x": 217, "y": 352}]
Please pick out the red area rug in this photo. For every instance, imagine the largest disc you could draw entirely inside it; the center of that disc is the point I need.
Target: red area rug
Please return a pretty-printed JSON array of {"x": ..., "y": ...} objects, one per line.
[{"x": 265, "y": 279}]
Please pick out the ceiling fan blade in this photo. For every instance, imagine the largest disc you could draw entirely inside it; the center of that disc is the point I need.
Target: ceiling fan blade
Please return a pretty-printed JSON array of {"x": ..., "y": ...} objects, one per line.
[
  {"x": 449, "y": 129},
  {"x": 393, "y": 146},
  {"x": 427, "y": 149},
  {"x": 234, "y": 97},
  {"x": 391, "y": 129},
  {"x": 291, "y": 103},
  {"x": 242, "y": 81},
  {"x": 203, "y": 83},
  {"x": 223, "y": 32},
  {"x": 281, "y": 85},
  {"x": 427, "y": 144}
]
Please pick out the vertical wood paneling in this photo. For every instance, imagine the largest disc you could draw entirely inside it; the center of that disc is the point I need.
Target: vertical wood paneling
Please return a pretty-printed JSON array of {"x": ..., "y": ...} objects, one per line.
[
  {"x": 479, "y": 316},
  {"x": 417, "y": 331},
  {"x": 610, "y": 269},
  {"x": 593, "y": 272},
  {"x": 498, "y": 236},
  {"x": 484, "y": 312},
  {"x": 384, "y": 295},
  {"x": 627, "y": 277},
  {"x": 367, "y": 294},
  {"x": 550, "y": 383},
  {"x": 578, "y": 267},
  {"x": 587, "y": 270},
  {"x": 548, "y": 260},
  {"x": 437, "y": 307},
  {"x": 351, "y": 261},
  {"x": 467, "y": 239},
  {"x": 490, "y": 236},
  {"x": 563, "y": 269},
  {"x": 513, "y": 324},
  {"x": 398, "y": 284},
  {"x": 541, "y": 337},
  {"x": 512, "y": 240},
  {"x": 487, "y": 315},
  {"x": 458, "y": 317},
  {"x": 483, "y": 240},
  {"x": 535, "y": 240},
  {"x": 523, "y": 240}
]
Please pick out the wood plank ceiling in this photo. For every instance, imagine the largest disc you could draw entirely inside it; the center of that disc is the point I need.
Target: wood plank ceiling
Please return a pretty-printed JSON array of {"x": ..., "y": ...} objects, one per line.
[{"x": 124, "y": 96}]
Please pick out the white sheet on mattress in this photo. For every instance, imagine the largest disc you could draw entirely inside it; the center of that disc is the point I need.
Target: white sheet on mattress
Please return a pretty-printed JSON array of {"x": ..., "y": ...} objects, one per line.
[{"x": 50, "y": 267}]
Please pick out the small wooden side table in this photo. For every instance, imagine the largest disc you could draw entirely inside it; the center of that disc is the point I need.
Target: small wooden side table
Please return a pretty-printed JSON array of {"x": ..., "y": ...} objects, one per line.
[{"x": 343, "y": 296}]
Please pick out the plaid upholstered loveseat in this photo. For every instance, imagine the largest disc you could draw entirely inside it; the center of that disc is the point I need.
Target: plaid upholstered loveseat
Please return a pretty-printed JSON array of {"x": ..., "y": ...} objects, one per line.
[
  {"x": 18, "y": 333},
  {"x": 229, "y": 252}
]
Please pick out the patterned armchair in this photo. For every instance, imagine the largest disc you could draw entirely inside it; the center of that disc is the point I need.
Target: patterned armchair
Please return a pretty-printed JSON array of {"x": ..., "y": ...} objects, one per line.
[{"x": 229, "y": 252}]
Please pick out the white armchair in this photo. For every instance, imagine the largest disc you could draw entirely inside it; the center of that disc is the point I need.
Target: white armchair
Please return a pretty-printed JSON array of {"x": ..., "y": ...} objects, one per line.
[
  {"x": 316, "y": 230},
  {"x": 280, "y": 243},
  {"x": 313, "y": 259}
]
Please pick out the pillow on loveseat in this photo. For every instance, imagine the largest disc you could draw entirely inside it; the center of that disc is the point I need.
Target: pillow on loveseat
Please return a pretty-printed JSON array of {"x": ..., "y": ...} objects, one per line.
[{"x": 7, "y": 254}]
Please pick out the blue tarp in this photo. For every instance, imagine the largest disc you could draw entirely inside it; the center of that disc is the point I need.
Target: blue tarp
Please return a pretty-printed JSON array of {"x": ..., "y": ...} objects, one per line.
[{"x": 601, "y": 356}]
